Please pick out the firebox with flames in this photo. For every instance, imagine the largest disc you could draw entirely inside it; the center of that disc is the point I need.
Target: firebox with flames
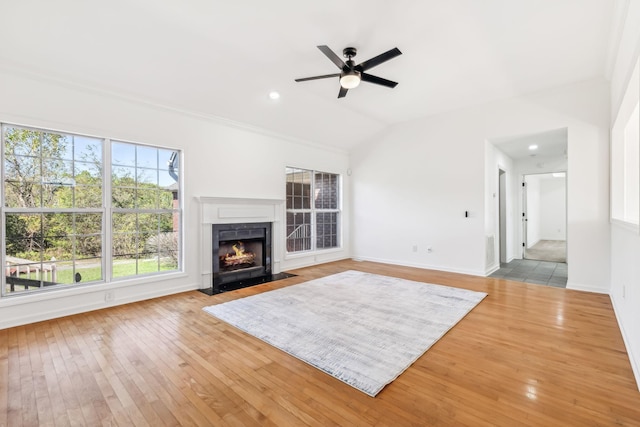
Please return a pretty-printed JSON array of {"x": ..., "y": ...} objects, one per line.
[{"x": 238, "y": 259}]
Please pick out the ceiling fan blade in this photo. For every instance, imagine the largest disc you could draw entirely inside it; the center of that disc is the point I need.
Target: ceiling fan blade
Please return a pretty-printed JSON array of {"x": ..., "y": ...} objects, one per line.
[
  {"x": 377, "y": 60},
  {"x": 377, "y": 80},
  {"x": 332, "y": 56},
  {"x": 326, "y": 76},
  {"x": 343, "y": 92}
]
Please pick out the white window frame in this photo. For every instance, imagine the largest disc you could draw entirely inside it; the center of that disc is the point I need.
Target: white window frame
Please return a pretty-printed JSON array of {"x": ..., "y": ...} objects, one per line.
[
  {"x": 625, "y": 158},
  {"x": 105, "y": 210},
  {"x": 312, "y": 210}
]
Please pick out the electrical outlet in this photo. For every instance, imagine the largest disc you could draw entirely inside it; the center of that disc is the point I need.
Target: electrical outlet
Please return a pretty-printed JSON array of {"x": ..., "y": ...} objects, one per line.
[
  {"x": 415, "y": 248},
  {"x": 429, "y": 249},
  {"x": 108, "y": 296}
]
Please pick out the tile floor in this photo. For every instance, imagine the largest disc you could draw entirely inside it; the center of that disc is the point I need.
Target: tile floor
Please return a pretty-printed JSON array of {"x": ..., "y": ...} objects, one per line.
[{"x": 531, "y": 271}]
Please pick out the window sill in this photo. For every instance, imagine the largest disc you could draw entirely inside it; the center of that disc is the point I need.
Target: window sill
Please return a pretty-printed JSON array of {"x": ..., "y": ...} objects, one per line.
[
  {"x": 27, "y": 298},
  {"x": 297, "y": 255},
  {"x": 625, "y": 225}
]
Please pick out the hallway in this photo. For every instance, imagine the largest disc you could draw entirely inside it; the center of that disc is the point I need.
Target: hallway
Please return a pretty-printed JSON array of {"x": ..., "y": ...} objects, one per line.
[{"x": 537, "y": 272}]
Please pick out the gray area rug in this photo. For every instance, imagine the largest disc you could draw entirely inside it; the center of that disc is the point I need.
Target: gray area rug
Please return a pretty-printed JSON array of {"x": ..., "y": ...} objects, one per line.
[{"x": 363, "y": 329}]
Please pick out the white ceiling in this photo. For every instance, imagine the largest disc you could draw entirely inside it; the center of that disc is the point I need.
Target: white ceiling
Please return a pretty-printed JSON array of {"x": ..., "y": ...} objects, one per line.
[
  {"x": 550, "y": 144},
  {"x": 221, "y": 58}
]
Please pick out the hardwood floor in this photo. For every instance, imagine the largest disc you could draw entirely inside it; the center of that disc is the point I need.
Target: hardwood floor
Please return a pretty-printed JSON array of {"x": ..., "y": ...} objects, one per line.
[{"x": 526, "y": 355}]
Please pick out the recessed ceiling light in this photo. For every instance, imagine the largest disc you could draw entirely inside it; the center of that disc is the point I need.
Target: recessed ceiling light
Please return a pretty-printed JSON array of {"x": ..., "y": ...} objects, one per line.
[
  {"x": 274, "y": 95},
  {"x": 533, "y": 147}
]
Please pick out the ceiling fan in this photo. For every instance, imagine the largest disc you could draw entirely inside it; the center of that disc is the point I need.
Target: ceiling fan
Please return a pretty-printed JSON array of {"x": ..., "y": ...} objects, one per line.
[{"x": 351, "y": 74}]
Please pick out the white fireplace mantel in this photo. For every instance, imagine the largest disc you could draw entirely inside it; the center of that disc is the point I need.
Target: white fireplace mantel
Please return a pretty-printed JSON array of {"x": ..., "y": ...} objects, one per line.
[{"x": 230, "y": 210}]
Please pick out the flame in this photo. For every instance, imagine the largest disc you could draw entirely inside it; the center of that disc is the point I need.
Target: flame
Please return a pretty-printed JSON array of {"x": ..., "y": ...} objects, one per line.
[
  {"x": 241, "y": 257},
  {"x": 239, "y": 249}
]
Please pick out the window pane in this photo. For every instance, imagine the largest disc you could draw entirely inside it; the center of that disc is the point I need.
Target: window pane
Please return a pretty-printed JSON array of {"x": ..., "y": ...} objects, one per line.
[
  {"x": 18, "y": 141},
  {"x": 89, "y": 247},
  {"x": 167, "y": 199},
  {"x": 22, "y": 168},
  {"x": 57, "y": 171},
  {"x": 168, "y": 222},
  {"x": 147, "y": 223},
  {"x": 87, "y": 149},
  {"x": 146, "y": 157},
  {"x": 87, "y": 196},
  {"x": 146, "y": 177},
  {"x": 123, "y": 154},
  {"x": 146, "y": 198},
  {"x": 56, "y": 225},
  {"x": 326, "y": 188},
  {"x": 87, "y": 172},
  {"x": 298, "y": 232},
  {"x": 124, "y": 222},
  {"x": 22, "y": 182},
  {"x": 123, "y": 198},
  {"x": 89, "y": 223},
  {"x": 123, "y": 176},
  {"x": 23, "y": 236},
  {"x": 165, "y": 180},
  {"x": 124, "y": 266},
  {"x": 165, "y": 157},
  {"x": 125, "y": 245},
  {"x": 88, "y": 270},
  {"x": 326, "y": 230},
  {"x": 57, "y": 146}
]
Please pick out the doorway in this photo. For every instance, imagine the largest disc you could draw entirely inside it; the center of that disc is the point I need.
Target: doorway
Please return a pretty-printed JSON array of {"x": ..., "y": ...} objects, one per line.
[{"x": 545, "y": 217}]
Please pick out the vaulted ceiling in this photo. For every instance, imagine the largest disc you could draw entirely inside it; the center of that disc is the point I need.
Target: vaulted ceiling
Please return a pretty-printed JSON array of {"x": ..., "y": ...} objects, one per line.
[{"x": 222, "y": 58}]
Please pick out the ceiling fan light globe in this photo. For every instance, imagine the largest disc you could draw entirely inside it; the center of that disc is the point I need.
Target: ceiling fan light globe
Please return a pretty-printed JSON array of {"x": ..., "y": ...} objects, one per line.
[{"x": 350, "y": 81}]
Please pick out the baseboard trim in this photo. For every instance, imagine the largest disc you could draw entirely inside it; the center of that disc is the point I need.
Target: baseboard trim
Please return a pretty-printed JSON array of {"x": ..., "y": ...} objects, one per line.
[
  {"x": 586, "y": 288},
  {"x": 492, "y": 269},
  {"x": 633, "y": 359},
  {"x": 423, "y": 266}
]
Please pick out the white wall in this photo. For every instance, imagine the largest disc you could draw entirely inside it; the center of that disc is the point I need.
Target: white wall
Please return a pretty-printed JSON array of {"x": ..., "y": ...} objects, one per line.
[
  {"x": 496, "y": 160},
  {"x": 220, "y": 159},
  {"x": 411, "y": 187},
  {"x": 553, "y": 202},
  {"x": 625, "y": 243},
  {"x": 412, "y": 184}
]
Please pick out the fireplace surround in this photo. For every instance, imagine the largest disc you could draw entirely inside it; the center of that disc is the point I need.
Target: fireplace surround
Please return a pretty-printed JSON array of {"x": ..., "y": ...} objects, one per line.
[
  {"x": 244, "y": 213},
  {"x": 240, "y": 252}
]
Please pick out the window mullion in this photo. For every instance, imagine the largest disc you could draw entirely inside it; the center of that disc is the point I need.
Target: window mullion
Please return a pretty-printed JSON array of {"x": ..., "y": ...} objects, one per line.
[
  {"x": 107, "y": 244},
  {"x": 312, "y": 205}
]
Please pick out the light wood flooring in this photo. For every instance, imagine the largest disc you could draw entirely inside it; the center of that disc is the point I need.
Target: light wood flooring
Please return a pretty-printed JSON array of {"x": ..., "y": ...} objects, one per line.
[{"x": 526, "y": 355}]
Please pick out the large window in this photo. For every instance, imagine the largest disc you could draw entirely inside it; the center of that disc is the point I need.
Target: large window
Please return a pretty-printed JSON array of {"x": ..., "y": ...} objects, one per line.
[
  {"x": 625, "y": 157},
  {"x": 146, "y": 215},
  {"x": 56, "y": 209},
  {"x": 313, "y": 210}
]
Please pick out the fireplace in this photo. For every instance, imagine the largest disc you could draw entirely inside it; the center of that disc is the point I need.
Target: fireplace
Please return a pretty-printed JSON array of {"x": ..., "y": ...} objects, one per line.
[{"x": 241, "y": 254}]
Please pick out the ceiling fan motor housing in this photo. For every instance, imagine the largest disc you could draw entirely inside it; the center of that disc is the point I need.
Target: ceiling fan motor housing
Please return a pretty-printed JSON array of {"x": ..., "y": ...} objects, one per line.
[{"x": 349, "y": 52}]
